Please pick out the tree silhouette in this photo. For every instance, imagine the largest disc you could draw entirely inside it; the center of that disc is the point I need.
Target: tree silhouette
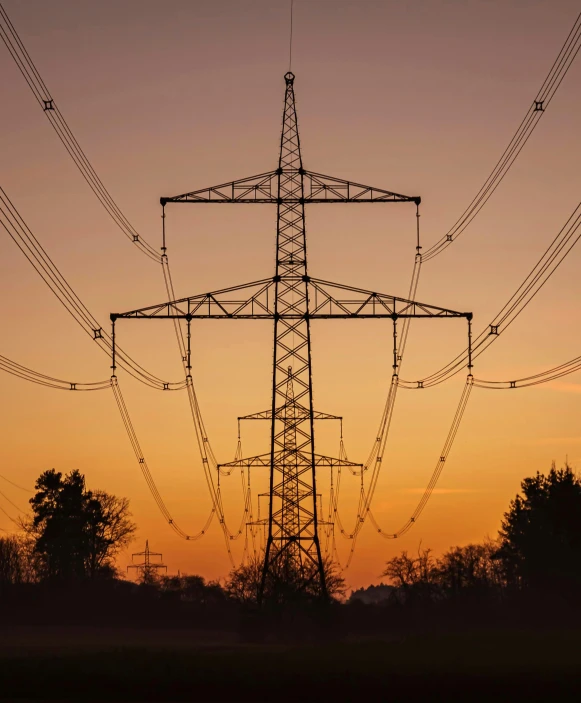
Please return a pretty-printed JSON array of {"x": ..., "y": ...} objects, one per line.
[
  {"x": 76, "y": 532},
  {"x": 109, "y": 530},
  {"x": 16, "y": 561},
  {"x": 540, "y": 538},
  {"x": 413, "y": 577},
  {"x": 471, "y": 570},
  {"x": 286, "y": 583},
  {"x": 191, "y": 588}
]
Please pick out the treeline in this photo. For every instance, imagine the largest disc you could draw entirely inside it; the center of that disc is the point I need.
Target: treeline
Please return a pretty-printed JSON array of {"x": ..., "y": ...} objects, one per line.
[
  {"x": 61, "y": 569},
  {"x": 530, "y": 574},
  {"x": 471, "y": 577},
  {"x": 472, "y": 571}
]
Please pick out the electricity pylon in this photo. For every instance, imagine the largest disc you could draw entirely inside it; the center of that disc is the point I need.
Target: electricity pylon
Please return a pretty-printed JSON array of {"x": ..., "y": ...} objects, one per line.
[
  {"x": 147, "y": 569},
  {"x": 292, "y": 299}
]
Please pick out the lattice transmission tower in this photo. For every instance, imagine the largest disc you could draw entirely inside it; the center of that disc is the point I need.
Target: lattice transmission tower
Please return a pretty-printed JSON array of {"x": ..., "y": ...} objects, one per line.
[
  {"x": 147, "y": 569},
  {"x": 292, "y": 299}
]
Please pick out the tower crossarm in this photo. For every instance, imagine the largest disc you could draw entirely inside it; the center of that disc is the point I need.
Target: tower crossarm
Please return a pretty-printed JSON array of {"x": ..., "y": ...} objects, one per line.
[
  {"x": 256, "y": 301},
  {"x": 264, "y": 460},
  {"x": 280, "y": 414},
  {"x": 317, "y": 188}
]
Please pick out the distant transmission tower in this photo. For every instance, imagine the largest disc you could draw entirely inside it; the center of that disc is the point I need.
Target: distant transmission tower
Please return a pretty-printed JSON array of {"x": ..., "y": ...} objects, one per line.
[
  {"x": 292, "y": 299},
  {"x": 147, "y": 569}
]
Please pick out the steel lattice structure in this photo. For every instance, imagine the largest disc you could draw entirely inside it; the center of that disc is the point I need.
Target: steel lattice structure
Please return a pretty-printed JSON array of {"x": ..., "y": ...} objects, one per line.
[
  {"x": 291, "y": 299},
  {"x": 147, "y": 569}
]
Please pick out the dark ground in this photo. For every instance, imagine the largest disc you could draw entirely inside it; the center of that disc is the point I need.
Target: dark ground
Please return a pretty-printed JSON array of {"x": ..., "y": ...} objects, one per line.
[{"x": 131, "y": 664}]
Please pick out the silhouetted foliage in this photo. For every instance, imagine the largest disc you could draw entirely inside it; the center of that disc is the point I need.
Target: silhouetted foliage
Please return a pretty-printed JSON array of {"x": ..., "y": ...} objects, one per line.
[
  {"x": 148, "y": 576},
  {"x": 470, "y": 571},
  {"x": 540, "y": 537},
  {"x": 287, "y": 582},
  {"x": 537, "y": 554},
  {"x": 372, "y": 595},
  {"x": 243, "y": 582},
  {"x": 77, "y": 533},
  {"x": 110, "y": 530},
  {"x": 191, "y": 589},
  {"x": 49, "y": 575},
  {"x": 16, "y": 561},
  {"x": 465, "y": 572},
  {"x": 413, "y": 577}
]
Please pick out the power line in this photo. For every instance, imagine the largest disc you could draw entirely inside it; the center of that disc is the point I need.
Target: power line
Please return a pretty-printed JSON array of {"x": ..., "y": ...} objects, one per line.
[
  {"x": 527, "y": 381},
  {"x": 453, "y": 431},
  {"x": 12, "y": 503},
  {"x": 26, "y": 490},
  {"x": 147, "y": 473},
  {"x": 555, "y": 77},
  {"x": 560, "y": 247},
  {"x": 43, "y": 265},
  {"x": 37, "y": 256},
  {"x": 45, "y": 100},
  {"x": 545, "y": 267},
  {"x": 17, "y": 229},
  {"x": 9, "y": 517},
  {"x": 27, "y": 374},
  {"x": 21, "y": 234},
  {"x": 551, "y": 374},
  {"x": 217, "y": 506},
  {"x": 546, "y": 93},
  {"x": 40, "y": 91},
  {"x": 559, "y": 69},
  {"x": 366, "y": 495},
  {"x": 113, "y": 383}
]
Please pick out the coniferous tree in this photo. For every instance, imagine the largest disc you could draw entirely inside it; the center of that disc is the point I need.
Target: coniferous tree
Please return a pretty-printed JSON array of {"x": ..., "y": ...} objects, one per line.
[{"x": 540, "y": 537}]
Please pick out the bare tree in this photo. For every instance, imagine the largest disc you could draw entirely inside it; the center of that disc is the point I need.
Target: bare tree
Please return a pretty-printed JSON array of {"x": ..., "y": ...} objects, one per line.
[
  {"x": 110, "y": 532},
  {"x": 287, "y": 581},
  {"x": 243, "y": 583},
  {"x": 413, "y": 577},
  {"x": 16, "y": 561},
  {"x": 191, "y": 588}
]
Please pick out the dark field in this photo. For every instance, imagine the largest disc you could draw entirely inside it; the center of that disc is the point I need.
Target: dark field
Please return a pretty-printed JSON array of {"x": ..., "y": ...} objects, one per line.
[{"x": 93, "y": 664}]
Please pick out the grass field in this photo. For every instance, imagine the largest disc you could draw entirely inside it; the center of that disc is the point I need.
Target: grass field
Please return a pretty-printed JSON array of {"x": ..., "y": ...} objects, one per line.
[{"x": 157, "y": 665}]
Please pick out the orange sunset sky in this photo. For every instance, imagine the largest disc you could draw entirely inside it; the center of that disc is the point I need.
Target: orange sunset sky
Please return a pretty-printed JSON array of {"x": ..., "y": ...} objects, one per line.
[{"x": 165, "y": 97}]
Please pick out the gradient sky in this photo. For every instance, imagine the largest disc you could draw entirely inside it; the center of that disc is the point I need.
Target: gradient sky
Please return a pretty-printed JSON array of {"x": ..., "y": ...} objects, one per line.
[{"x": 165, "y": 97}]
